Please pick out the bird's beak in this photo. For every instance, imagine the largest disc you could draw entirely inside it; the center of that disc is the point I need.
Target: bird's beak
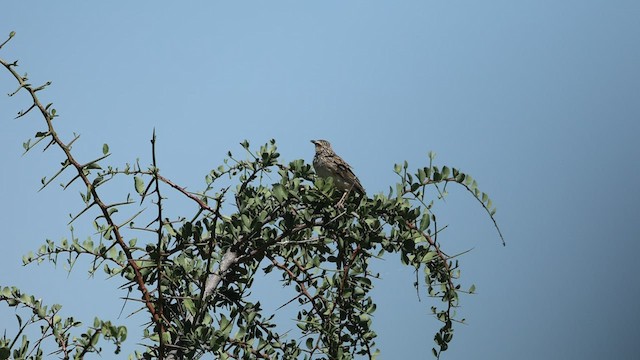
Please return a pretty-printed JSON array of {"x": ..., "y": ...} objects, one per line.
[{"x": 314, "y": 142}]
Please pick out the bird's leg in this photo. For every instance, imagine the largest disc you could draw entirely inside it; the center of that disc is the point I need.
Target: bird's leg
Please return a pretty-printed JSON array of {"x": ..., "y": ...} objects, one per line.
[{"x": 340, "y": 203}]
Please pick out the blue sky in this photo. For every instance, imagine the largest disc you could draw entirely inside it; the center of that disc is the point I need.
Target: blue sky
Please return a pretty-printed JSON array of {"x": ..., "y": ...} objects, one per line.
[{"x": 538, "y": 100}]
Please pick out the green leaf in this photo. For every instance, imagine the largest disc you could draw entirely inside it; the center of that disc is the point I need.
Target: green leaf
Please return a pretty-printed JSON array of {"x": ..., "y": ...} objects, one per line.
[
  {"x": 139, "y": 184},
  {"x": 364, "y": 318},
  {"x": 6, "y": 292},
  {"x": 425, "y": 221},
  {"x": 166, "y": 337},
  {"x": 93, "y": 166},
  {"x": 105, "y": 149},
  {"x": 422, "y": 175},
  {"x": 170, "y": 230},
  {"x": 445, "y": 172},
  {"x": 122, "y": 333},
  {"x": 279, "y": 192},
  {"x": 472, "y": 289},
  {"x": 428, "y": 257},
  {"x": 224, "y": 324},
  {"x": 246, "y": 222},
  {"x": 468, "y": 180},
  {"x": 414, "y": 187},
  {"x": 5, "y": 352},
  {"x": 190, "y": 306}
]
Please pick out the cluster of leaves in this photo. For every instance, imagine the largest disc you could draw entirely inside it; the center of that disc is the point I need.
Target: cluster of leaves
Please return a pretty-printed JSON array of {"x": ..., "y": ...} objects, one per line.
[
  {"x": 256, "y": 215},
  {"x": 52, "y": 325}
]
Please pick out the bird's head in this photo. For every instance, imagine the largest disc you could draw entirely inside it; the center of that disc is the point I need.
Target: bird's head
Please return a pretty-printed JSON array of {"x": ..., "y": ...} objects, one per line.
[{"x": 322, "y": 145}]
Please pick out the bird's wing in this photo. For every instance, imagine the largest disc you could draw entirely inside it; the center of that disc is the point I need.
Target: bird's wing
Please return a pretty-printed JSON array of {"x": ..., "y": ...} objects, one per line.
[
  {"x": 343, "y": 165},
  {"x": 349, "y": 175}
]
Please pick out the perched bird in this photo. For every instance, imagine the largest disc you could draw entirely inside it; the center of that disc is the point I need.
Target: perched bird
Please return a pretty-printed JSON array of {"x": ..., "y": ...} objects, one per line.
[{"x": 328, "y": 164}]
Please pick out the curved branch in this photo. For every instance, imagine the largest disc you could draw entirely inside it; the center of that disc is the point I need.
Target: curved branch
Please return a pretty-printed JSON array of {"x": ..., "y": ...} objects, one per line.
[{"x": 104, "y": 208}]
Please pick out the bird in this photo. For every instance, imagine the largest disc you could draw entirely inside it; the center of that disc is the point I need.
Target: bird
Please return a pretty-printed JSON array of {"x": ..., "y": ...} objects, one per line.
[{"x": 328, "y": 164}]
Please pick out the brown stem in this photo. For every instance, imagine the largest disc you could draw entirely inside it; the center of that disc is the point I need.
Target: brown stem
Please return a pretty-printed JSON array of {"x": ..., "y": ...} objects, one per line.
[{"x": 103, "y": 207}]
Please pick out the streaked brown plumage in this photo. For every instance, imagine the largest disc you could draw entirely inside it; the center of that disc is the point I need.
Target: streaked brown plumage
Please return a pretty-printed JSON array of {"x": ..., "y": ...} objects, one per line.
[{"x": 328, "y": 164}]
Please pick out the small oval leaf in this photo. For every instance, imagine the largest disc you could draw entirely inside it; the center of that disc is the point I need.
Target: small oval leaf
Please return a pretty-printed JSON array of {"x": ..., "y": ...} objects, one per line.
[{"x": 139, "y": 184}]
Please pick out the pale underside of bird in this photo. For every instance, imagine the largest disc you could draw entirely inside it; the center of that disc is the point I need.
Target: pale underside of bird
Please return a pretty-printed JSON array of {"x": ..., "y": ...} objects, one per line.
[{"x": 328, "y": 164}]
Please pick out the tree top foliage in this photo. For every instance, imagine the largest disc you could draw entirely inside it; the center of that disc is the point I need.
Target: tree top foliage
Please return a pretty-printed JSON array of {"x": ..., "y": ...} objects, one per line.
[{"x": 192, "y": 274}]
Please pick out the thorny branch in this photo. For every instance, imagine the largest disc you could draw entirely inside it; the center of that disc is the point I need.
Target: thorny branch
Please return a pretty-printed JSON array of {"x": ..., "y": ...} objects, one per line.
[{"x": 80, "y": 169}]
